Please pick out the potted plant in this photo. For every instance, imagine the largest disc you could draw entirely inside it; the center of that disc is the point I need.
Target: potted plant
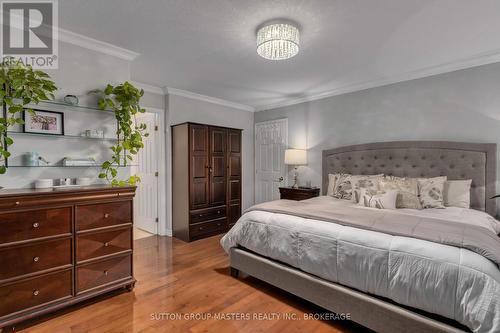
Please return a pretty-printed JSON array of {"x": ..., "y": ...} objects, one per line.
[
  {"x": 123, "y": 99},
  {"x": 20, "y": 86}
]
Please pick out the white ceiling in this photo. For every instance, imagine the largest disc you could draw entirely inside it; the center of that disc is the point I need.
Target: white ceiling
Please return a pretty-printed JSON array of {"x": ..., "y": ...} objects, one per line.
[{"x": 208, "y": 46}]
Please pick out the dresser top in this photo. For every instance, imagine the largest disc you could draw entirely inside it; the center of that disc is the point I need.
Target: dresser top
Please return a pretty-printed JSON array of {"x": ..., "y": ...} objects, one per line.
[{"x": 4, "y": 193}]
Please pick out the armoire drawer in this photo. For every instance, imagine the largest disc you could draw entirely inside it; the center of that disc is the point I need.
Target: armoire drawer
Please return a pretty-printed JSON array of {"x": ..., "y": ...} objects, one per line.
[
  {"x": 98, "y": 244},
  {"x": 103, "y": 272},
  {"x": 207, "y": 214},
  {"x": 35, "y": 257},
  {"x": 103, "y": 215},
  {"x": 213, "y": 227},
  {"x": 32, "y": 292},
  {"x": 32, "y": 224}
]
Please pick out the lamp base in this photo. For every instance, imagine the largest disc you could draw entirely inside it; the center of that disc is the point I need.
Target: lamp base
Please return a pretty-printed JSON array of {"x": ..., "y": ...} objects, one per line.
[{"x": 295, "y": 176}]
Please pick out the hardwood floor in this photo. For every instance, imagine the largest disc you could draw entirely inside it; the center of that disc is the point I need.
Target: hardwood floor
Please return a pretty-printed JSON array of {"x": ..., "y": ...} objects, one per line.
[{"x": 178, "y": 279}]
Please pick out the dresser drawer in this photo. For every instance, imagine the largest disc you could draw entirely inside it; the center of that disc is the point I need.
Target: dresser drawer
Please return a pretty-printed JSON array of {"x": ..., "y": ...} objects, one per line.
[
  {"x": 29, "y": 293},
  {"x": 19, "y": 226},
  {"x": 98, "y": 244},
  {"x": 102, "y": 215},
  {"x": 204, "y": 229},
  {"x": 36, "y": 257},
  {"x": 97, "y": 274},
  {"x": 207, "y": 214}
]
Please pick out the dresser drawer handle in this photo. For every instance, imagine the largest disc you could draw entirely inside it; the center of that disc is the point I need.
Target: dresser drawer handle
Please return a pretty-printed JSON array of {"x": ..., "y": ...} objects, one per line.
[
  {"x": 218, "y": 212},
  {"x": 218, "y": 224},
  {"x": 106, "y": 244},
  {"x": 200, "y": 228},
  {"x": 105, "y": 273},
  {"x": 17, "y": 203},
  {"x": 106, "y": 215},
  {"x": 36, "y": 292},
  {"x": 36, "y": 225},
  {"x": 200, "y": 215},
  {"x": 36, "y": 259}
]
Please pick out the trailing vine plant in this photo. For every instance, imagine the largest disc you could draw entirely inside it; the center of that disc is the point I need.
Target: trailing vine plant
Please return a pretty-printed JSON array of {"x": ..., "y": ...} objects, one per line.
[
  {"x": 124, "y": 100},
  {"x": 20, "y": 86}
]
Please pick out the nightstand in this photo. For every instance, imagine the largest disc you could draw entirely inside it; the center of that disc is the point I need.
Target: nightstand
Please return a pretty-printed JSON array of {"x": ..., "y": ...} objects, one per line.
[{"x": 298, "y": 193}]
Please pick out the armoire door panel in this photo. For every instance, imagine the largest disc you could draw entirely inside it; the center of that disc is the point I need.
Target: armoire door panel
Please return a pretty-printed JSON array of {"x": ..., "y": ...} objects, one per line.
[
  {"x": 218, "y": 195},
  {"x": 235, "y": 141},
  {"x": 199, "y": 167},
  {"x": 218, "y": 166},
  {"x": 234, "y": 190},
  {"x": 199, "y": 155},
  {"x": 234, "y": 213},
  {"x": 218, "y": 141},
  {"x": 218, "y": 159},
  {"x": 234, "y": 166},
  {"x": 199, "y": 195},
  {"x": 199, "y": 139}
]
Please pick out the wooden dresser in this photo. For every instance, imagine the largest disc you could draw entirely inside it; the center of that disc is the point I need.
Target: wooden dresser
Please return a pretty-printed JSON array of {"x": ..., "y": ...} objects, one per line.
[
  {"x": 59, "y": 247},
  {"x": 206, "y": 180}
]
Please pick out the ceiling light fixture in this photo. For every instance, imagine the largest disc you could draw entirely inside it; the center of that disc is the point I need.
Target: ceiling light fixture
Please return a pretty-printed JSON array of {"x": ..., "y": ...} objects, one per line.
[{"x": 278, "y": 41}]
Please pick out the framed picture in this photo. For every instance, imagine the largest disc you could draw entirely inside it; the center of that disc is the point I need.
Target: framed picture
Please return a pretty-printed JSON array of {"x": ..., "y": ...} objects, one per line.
[{"x": 43, "y": 122}]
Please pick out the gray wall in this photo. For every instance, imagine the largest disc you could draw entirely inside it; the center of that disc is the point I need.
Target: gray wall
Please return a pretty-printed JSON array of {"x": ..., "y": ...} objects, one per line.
[{"x": 457, "y": 106}]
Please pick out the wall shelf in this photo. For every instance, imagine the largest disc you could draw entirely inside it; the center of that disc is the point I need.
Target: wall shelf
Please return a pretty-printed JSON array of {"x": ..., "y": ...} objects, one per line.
[
  {"x": 60, "y": 105},
  {"x": 66, "y": 136}
]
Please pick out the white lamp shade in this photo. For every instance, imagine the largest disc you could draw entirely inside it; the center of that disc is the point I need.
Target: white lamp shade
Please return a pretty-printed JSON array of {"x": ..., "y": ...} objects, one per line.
[{"x": 296, "y": 156}]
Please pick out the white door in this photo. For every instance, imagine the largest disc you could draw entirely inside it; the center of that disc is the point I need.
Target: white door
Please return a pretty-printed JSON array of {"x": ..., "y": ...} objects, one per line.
[
  {"x": 146, "y": 199},
  {"x": 271, "y": 140}
]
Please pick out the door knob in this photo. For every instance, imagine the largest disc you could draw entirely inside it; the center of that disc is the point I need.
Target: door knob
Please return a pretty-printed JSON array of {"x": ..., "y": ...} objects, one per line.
[{"x": 280, "y": 179}]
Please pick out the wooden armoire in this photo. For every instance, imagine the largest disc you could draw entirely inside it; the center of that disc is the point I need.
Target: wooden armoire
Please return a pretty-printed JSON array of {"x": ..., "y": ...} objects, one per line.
[{"x": 206, "y": 180}]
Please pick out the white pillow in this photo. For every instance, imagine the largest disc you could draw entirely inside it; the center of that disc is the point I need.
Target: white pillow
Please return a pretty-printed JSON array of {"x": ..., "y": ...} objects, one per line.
[
  {"x": 380, "y": 200},
  {"x": 456, "y": 193}
]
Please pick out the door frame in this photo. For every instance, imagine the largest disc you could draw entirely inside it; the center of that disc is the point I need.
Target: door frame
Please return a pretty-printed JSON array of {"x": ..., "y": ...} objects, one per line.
[
  {"x": 284, "y": 120},
  {"x": 161, "y": 158}
]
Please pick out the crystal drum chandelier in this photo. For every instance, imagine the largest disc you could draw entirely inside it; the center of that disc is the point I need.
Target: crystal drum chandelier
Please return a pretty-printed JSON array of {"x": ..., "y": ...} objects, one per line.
[{"x": 278, "y": 41}]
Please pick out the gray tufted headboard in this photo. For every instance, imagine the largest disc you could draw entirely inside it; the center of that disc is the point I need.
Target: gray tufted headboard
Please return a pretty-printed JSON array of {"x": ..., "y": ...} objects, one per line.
[{"x": 457, "y": 160}]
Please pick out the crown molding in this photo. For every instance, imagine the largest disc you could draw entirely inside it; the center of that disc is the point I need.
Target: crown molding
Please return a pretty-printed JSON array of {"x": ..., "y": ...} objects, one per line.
[
  {"x": 96, "y": 45},
  {"x": 209, "y": 99},
  {"x": 148, "y": 88},
  {"x": 470, "y": 62}
]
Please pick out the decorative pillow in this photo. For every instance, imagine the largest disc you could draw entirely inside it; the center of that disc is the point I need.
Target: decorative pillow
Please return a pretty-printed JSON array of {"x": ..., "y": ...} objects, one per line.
[
  {"x": 342, "y": 188},
  {"x": 431, "y": 192},
  {"x": 407, "y": 191},
  {"x": 380, "y": 199},
  {"x": 369, "y": 182},
  {"x": 456, "y": 193}
]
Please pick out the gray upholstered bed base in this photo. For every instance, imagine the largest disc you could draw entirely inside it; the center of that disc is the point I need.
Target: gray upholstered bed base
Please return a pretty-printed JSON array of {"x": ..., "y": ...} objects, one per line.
[
  {"x": 369, "y": 311},
  {"x": 457, "y": 160}
]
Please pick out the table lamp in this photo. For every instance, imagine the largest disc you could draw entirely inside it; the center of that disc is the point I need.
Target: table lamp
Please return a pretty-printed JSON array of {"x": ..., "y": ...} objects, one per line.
[{"x": 295, "y": 157}]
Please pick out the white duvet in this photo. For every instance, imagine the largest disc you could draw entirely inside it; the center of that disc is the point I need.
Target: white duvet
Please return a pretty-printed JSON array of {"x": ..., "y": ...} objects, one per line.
[{"x": 450, "y": 281}]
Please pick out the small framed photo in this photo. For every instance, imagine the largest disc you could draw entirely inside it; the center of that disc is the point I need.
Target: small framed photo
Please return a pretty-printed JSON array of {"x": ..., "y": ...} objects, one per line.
[{"x": 43, "y": 122}]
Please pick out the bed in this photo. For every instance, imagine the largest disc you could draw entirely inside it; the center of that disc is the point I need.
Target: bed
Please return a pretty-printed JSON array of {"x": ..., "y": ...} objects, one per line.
[{"x": 385, "y": 281}]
